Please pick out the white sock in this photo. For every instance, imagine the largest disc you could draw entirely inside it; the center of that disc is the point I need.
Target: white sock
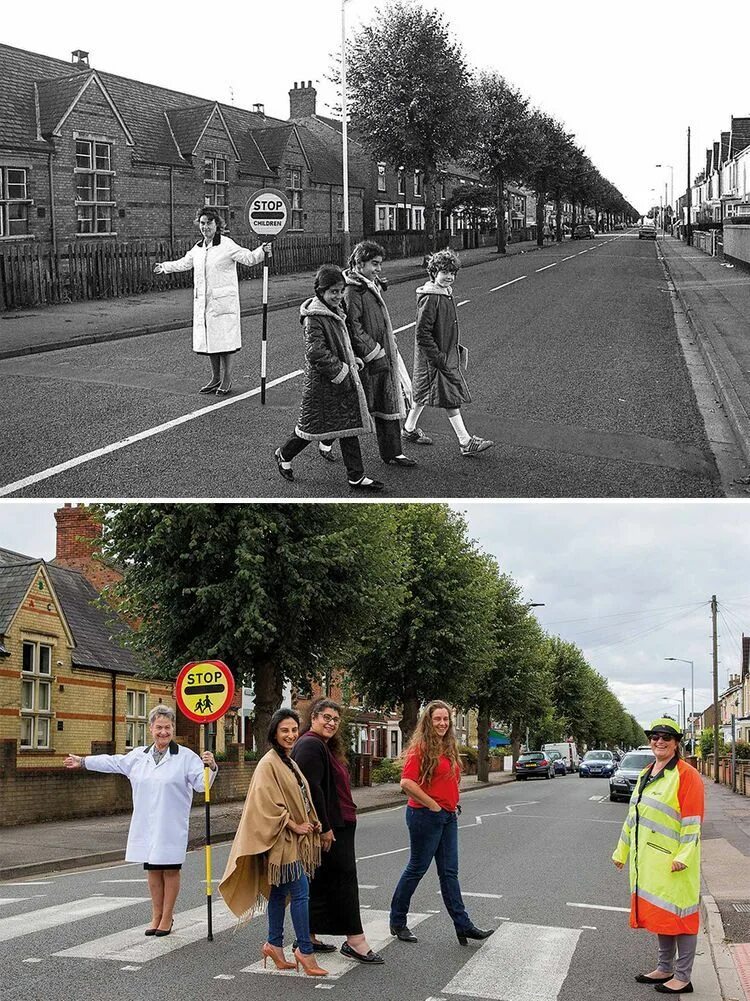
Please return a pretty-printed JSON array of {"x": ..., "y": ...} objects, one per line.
[
  {"x": 415, "y": 413},
  {"x": 323, "y": 447},
  {"x": 363, "y": 482},
  {"x": 458, "y": 426},
  {"x": 284, "y": 463}
]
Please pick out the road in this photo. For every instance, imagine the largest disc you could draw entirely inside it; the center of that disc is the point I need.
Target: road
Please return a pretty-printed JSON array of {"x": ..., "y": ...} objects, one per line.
[
  {"x": 576, "y": 372},
  {"x": 534, "y": 865}
]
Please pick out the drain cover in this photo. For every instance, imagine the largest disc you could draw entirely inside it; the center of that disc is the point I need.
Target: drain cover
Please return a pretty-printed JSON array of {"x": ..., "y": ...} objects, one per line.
[{"x": 742, "y": 908}]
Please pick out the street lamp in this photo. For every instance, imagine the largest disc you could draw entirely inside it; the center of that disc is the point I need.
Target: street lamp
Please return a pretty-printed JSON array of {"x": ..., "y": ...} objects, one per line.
[
  {"x": 665, "y": 699},
  {"x": 344, "y": 132},
  {"x": 692, "y": 698},
  {"x": 671, "y": 184}
]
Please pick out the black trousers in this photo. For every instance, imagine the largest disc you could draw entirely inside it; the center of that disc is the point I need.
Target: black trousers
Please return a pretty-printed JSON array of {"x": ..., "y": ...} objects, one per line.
[
  {"x": 389, "y": 438},
  {"x": 351, "y": 453}
]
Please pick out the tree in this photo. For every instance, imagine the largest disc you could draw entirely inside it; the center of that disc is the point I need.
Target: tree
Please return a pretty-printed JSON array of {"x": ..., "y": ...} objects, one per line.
[
  {"x": 473, "y": 199},
  {"x": 407, "y": 91},
  {"x": 547, "y": 162},
  {"x": 279, "y": 592}
]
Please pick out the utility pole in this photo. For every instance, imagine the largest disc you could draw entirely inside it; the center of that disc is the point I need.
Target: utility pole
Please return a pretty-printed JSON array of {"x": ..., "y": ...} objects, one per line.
[
  {"x": 684, "y": 717},
  {"x": 715, "y": 653},
  {"x": 689, "y": 200}
]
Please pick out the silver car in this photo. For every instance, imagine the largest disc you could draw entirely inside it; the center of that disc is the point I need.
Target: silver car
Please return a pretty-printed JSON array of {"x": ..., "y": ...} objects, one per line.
[{"x": 623, "y": 782}]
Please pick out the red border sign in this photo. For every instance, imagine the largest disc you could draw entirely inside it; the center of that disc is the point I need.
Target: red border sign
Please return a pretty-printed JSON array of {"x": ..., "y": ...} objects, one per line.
[{"x": 204, "y": 690}]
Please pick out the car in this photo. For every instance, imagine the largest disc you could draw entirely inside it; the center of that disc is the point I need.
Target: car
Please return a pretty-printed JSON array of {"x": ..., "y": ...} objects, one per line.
[
  {"x": 534, "y": 763},
  {"x": 600, "y": 763},
  {"x": 622, "y": 783},
  {"x": 584, "y": 231},
  {"x": 568, "y": 752},
  {"x": 559, "y": 762},
  {"x": 647, "y": 230}
]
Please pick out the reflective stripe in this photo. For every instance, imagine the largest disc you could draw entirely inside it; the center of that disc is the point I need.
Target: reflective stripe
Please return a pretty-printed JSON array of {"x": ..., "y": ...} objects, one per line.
[
  {"x": 685, "y": 838},
  {"x": 625, "y": 838},
  {"x": 630, "y": 820},
  {"x": 656, "y": 804},
  {"x": 667, "y": 905},
  {"x": 691, "y": 820},
  {"x": 659, "y": 829}
]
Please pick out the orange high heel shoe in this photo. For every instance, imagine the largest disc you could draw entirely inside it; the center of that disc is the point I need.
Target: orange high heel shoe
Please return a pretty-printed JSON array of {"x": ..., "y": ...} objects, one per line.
[
  {"x": 308, "y": 964},
  {"x": 271, "y": 952}
]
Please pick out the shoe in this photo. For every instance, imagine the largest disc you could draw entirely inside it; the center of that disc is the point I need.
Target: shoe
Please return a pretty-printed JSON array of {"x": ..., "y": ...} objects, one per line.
[
  {"x": 287, "y": 474},
  {"x": 308, "y": 964},
  {"x": 270, "y": 952},
  {"x": 326, "y": 454},
  {"x": 159, "y": 933},
  {"x": 643, "y": 978},
  {"x": 663, "y": 989},
  {"x": 372, "y": 487},
  {"x": 462, "y": 934},
  {"x": 417, "y": 436},
  {"x": 404, "y": 934},
  {"x": 317, "y": 946},
  {"x": 401, "y": 460},
  {"x": 150, "y": 931},
  {"x": 224, "y": 390},
  {"x": 210, "y": 387},
  {"x": 476, "y": 445},
  {"x": 371, "y": 957}
]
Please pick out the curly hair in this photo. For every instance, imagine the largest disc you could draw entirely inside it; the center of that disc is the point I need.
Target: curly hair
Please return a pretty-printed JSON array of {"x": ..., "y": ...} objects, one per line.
[
  {"x": 426, "y": 743},
  {"x": 213, "y": 216},
  {"x": 442, "y": 260},
  {"x": 366, "y": 250},
  {"x": 335, "y": 743}
]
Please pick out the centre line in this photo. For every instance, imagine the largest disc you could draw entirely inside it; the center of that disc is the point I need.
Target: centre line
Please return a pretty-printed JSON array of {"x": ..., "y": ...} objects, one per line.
[
  {"x": 133, "y": 439},
  {"x": 546, "y": 266},
  {"x": 600, "y": 907},
  {"x": 505, "y": 284},
  {"x": 400, "y": 329},
  {"x": 569, "y": 258}
]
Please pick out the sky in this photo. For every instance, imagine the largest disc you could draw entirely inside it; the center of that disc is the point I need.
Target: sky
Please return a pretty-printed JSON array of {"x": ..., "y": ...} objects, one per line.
[
  {"x": 627, "y": 80},
  {"x": 629, "y": 582}
]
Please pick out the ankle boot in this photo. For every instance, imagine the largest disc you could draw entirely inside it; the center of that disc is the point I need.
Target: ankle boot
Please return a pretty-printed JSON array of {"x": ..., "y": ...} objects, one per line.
[{"x": 463, "y": 934}]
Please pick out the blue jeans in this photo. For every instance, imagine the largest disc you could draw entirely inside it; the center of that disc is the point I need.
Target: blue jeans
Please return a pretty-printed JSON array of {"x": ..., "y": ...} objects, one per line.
[
  {"x": 299, "y": 891},
  {"x": 431, "y": 836}
]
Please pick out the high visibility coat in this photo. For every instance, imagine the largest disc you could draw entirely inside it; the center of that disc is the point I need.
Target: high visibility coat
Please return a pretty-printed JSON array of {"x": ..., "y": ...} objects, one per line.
[
  {"x": 663, "y": 826},
  {"x": 216, "y": 294},
  {"x": 162, "y": 797}
]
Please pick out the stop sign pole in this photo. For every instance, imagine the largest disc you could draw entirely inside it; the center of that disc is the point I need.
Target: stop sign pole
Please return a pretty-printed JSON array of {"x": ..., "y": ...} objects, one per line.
[{"x": 268, "y": 214}]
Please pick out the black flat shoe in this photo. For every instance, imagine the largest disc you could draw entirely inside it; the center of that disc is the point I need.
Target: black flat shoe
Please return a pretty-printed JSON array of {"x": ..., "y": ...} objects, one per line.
[
  {"x": 286, "y": 473},
  {"x": 317, "y": 946},
  {"x": 326, "y": 454},
  {"x": 663, "y": 989},
  {"x": 159, "y": 933},
  {"x": 210, "y": 387},
  {"x": 373, "y": 487},
  {"x": 371, "y": 957},
  {"x": 462, "y": 934},
  {"x": 643, "y": 978},
  {"x": 150, "y": 931},
  {"x": 404, "y": 934},
  {"x": 401, "y": 460}
]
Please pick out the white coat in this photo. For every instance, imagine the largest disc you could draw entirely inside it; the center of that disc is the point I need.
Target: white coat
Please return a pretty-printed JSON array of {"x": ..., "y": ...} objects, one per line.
[
  {"x": 216, "y": 293},
  {"x": 162, "y": 797}
]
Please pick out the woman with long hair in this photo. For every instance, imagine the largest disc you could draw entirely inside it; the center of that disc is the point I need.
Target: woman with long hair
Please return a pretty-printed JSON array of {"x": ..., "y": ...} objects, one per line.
[
  {"x": 334, "y": 892},
  {"x": 276, "y": 849},
  {"x": 431, "y": 776}
]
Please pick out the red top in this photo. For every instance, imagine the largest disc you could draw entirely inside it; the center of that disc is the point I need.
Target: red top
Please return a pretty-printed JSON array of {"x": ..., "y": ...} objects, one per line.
[
  {"x": 443, "y": 787},
  {"x": 344, "y": 790}
]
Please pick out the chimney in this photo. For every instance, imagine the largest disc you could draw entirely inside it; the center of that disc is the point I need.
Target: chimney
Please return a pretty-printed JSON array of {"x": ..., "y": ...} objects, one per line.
[
  {"x": 259, "y": 109},
  {"x": 81, "y": 59},
  {"x": 302, "y": 100},
  {"x": 77, "y": 535}
]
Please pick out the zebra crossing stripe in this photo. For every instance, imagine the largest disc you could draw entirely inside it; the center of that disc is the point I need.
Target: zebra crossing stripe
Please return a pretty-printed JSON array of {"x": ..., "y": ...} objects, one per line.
[
  {"x": 11, "y": 900},
  {"x": 522, "y": 962},
  {"x": 61, "y": 914}
]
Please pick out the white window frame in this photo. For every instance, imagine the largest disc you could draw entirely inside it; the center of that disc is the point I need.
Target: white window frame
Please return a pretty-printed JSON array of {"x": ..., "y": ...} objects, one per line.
[
  {"x": 8, "y": 201},
  {"x": 36, "y": 695},
  {"x": 381, "y": 177},
  {"x": 136, "y": 718},
  {"x": 102, "y": 210},
  {"x": 417, "y": 183},
  {"x": 294, "y": 185},
  {"x": 216, "y": 183}
]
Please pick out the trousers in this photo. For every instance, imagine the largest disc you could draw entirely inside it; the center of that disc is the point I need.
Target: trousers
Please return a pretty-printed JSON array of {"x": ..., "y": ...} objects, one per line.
[
  {"x": 684, "y": 948},
  {"x": 299, "y": 893}
]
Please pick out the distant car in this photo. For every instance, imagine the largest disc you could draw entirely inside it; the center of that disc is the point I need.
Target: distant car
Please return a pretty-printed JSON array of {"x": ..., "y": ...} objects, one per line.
[
  {"x": 622, "y": 783},
  {"x": 558, "y": 760},
  {"x": 534, "y": 763},
  {"x": 647, "y": 230},
  {"x": 584, "y": 231},
  {"x": 568, "y": 751},
  {"x": 597, "y": 763}
]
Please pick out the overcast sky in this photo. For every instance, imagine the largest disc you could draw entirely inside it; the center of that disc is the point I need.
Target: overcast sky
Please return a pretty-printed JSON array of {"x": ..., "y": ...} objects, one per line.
[
  {"x": 627, "y": 79},
  {"x": 629, "y": 582}
]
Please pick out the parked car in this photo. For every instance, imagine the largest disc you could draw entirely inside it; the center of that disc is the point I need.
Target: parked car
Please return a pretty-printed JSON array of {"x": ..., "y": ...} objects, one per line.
[
  {"x": 599, "y": 763},
  {"x": 584, "y": 231},
  {"x": 534, "y": 763},
  {"x": 559, "y": 762},
  {"x": 647, "y": 230},
  {"x": 622, "y": 783},
  {"x": 569, "y": 753}
]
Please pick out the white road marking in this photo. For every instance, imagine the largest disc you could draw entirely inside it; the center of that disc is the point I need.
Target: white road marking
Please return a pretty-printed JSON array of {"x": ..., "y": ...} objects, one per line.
[
  {"x": 324, "y": 987},
  {"x": 98, "y": 453},
  {"x": 600, "y": 907},
  {"x": 597, "y": 799},
  {"x": 15, "y": 900},
  {"x": 583, "y": 252},
  {"x": 62, "y": 914},
  {"x": 569, "y": 258},
  {"x": 407, "y": 327},
  {"x": 394, "y": 851},
  {"x": 500, "y": 917},
  {"x": 519, "y": 962},
  {"x": 130, "y": 967},
  {"x": 132, "y": 946},
  {"x": 224, "y": 976},
  {"x": 123, "y": 881},
  {"x": 31, "y": 959},
  {"x": 376, "y": 927},
  {"x": 546, "y": 266},
  {"x": 488, "y": 896},
  {"x": 506, "y": 284},
  {"x": 463, "y": 303},
  {"x": 38, "y": 882},
  {"x": 367, "y": 886},
  {"x": 588, "y": 927}
]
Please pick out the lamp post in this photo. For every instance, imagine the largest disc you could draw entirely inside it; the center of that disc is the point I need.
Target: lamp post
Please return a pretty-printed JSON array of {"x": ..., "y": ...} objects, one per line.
[
  {"x": 671, "y": 180},
  {"x": 692, "y": 698},
  {"x": 344, "y": 133},
  {"x": 677, "y": 701}
]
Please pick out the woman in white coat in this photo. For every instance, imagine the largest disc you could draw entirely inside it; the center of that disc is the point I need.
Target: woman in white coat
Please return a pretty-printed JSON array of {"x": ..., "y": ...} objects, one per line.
[
  {"x": 164, "y": 777},
  {"x": 216, "y": 299}
]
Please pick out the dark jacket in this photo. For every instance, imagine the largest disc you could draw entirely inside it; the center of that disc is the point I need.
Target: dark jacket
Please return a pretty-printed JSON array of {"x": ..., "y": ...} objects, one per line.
[
  {"x": 372, "y": 338},
  {"x": 333, "y": 400},
  {"x": 312, "y": 756},
  {"x": 438, "y": 378}
]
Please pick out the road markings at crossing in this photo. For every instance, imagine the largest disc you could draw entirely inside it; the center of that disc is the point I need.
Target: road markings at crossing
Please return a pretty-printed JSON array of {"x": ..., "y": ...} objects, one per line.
[
  {"x": 597, "y": 799},
  {"x": 463, "y": 303},
  {"x": 123, "y": 881},
  {"x": 130, "y": 967},
  {"x": 408, "y": 326},
  {"x": 324, "y": 987},
  {"x": 15, "y": 900},
  {"x": 393, "y": 851},
  {"x": 31, "y": 959},
  {"x": 488, "y": 896},
  {"x": 376, "y": 928},
  {"x": 588, "y": 927},
  {"x": 600, "y": 907},
  {"x": 520, "y": 961},
  {"x": 506, "y": 284},
  {"x": 546, "y": 266},
  {"x": 569, "y": 258},
  {"x": 502, "y": 813},
  {"x": 367, "y": 886},
  {"x": 31, "y": 882},
  {"x": 224, "y": 976},
  {"x": 63, "y": 914}
]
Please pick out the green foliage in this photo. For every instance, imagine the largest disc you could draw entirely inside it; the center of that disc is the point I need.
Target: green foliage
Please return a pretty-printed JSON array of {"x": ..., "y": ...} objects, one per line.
[
  {"x": 707, "y": 743},
  {"x": 387, "y": 770},
  {"x": 742, "y": 750},
  {"x": 470, "y": 752}
]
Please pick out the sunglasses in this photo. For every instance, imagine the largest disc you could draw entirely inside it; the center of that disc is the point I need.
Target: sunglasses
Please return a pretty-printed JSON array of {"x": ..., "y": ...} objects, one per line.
[{"x": 661, "y": 736}]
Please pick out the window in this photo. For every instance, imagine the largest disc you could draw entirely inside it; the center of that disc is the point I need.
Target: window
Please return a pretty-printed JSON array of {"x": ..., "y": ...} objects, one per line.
[
  {"x": 294, "y": 183},
  {"x": 381, "y": 177},
  {"x": 340, "y": 213},
  {"x": 135, "y": 718},
  {"x": 216, "y": 183},
  {"x": 36, "y": 694},
  {"x": 14, "y": 201},
  {"x": 94, "y": 176},
  {"x": 417, "y": 182},
  {"x": 402, "y": 182},
  {"x": 442, "y": 187}
]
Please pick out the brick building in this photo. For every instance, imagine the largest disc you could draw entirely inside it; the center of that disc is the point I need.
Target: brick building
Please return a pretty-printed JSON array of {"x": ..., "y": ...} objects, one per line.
[{"x": 86, "y": 154}]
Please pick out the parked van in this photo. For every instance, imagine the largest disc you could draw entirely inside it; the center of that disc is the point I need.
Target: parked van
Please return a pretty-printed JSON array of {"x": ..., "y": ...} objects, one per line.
[{"x": 569, "y": 751}]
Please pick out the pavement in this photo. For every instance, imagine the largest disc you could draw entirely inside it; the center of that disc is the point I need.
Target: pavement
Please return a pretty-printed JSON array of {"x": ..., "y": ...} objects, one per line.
[{"x": 65, "y": 325}]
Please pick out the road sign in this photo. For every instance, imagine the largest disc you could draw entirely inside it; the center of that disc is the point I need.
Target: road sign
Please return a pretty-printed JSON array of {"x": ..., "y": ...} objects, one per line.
[
  {"x": 268, "y": 212},
  {"x": 204, "y": 690}
]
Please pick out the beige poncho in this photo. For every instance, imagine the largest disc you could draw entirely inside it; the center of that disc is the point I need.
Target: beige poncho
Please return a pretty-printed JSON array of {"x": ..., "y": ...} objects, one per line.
[{"x": 265, "y": 852}]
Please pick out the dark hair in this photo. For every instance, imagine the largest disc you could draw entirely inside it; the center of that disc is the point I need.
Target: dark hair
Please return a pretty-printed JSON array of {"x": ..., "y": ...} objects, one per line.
[
  {"x": 366, "y": 250},
  {"x": 335, "y": 743},
  {"x": 278, "y": 717},
  {"x": 213, "y": 216},
  {"x": 442, "y": 260},
  {"x": 328, "y": 275}
]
